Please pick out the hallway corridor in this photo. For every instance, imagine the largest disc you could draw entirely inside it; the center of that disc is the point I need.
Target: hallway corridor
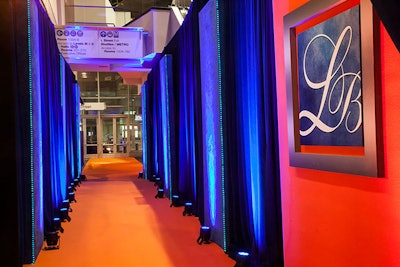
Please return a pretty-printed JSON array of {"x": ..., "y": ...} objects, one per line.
[{"x": 118, "y": 222}]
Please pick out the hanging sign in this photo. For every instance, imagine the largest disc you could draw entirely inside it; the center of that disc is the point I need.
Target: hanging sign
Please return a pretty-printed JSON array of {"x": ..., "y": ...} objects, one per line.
[
  {"x": 100, "y": 42},
  {"x": 93, "y": 106}
]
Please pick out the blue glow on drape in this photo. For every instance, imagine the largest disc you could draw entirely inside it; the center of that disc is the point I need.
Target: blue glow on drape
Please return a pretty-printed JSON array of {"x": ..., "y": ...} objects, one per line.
[
  {"x": 211, "y": 120},
  {"x": 184, "y": 143},
  {"x": 168, "y": 80},
  {"x": 63, "y": 135},
  {"x": 155, "y": 148},
  {"x": 221, "y": 123},
  {"x": 187, "y": 157},
  {"x": 250, "y": 117},
  {"x": 211, "y": 161},
  {"x": 210, "y": 146},
  {"x": 251, "y": 109},
  {"x": 32, "y": 158},
  {"x": 68, "y": 99},
  {"x": 144, "y": 129},
  {"x": 164, "y": 87},
  {"x": 191, "y": 143},
  {"x": 252, "y": 160},
  {"x": 77, "y": 134},
  {"x": 55, "y": 152},
  {"x": 56, "y": 131}
]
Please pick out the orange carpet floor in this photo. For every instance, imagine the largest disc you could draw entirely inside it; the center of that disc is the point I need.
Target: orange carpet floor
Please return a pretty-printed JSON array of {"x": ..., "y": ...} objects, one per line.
[{"x": 118, "y": 222}]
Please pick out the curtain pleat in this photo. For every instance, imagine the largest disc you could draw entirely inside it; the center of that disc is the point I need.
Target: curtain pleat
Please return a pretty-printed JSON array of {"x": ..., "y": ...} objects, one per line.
[
  {"x": 185, "y": 113},
  {"x": 48, "y": 126},
  {"x": 252, "y": 166},
  {"x": 252, "y": 215}
]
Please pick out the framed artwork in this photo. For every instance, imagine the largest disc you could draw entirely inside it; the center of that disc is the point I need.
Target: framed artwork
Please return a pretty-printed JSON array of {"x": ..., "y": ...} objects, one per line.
[{"x": 333, "y": 87}]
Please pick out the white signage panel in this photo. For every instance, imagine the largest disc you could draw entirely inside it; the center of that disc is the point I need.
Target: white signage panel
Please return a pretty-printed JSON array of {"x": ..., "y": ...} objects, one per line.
[
  {"x": 94, "y": 106},
  {"x": 100, "y": 42}
]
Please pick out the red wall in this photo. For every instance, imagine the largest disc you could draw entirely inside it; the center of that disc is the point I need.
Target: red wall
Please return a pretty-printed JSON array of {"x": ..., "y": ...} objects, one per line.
[{"x": 334, "y": 219}]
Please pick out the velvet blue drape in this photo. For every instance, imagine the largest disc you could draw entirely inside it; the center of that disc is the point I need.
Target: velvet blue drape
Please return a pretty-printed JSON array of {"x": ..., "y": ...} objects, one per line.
[
  {"x": 72, "y": 119},
  {"x": 249, "y": 119},
  {"x": 153, "y": 123},
  {"x": 149, "y": 157},
  {"x": 252, "y": 165},
  {"x": 188, "y": 167},
  {"x": 160, "y": 84},
  {"x": 51, "y": 112},
  {"x": 48, "y": 128}
]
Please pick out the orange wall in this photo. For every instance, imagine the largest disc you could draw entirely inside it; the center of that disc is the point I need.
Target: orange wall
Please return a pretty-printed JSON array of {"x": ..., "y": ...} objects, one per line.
[{"x": 333, "y": 219}]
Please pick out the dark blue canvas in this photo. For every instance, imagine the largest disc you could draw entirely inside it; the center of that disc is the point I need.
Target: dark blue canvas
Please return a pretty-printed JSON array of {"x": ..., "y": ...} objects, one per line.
[{"x": 330, "y": 84}]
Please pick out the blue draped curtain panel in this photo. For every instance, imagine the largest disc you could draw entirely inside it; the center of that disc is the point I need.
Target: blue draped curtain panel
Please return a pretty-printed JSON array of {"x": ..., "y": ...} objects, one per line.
[
  {"x": 149, "y": 122},
  {"x": 249, "y": 126},
  {"x": 186, "y": 129},
  {"x": 47, "y": 122},
  {"x": 251, "y": 138}
]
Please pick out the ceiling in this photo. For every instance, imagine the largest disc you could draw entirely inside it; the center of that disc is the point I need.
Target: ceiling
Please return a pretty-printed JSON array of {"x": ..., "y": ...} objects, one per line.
[{"x": 138, "y": 7}]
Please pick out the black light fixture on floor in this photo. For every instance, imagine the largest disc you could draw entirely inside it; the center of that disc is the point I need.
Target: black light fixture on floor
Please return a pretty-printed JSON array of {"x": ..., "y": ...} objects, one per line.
[
  {"x": 175, "y": 201},
  {"x": 52, "y": 240},
  {"x": 242, "y": 259},
  {"x": 73, "y": 185},
  {"x": 71, "y": 188},
  {"x": 66, "y": 204},
  {"x": 188, "y": 209},
  {"x": 64, "y": 216},
  {"x": 77, "y": 182},
  {"x": 204, "y": 236},
  {"x": 57, "y": 225},
  {"x": 159, "y": 182},
  {"x": 160, "y": 193},
  {"x": 82, "y": 177},
  {"x": 71, "y": 197}
]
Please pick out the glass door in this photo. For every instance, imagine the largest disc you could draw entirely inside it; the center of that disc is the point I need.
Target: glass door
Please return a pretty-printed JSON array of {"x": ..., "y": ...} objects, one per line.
[
  {"x": 90, "y": 137},
  {"x": 122, "y": 133},
  {"x": 107, "y": 136}
]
